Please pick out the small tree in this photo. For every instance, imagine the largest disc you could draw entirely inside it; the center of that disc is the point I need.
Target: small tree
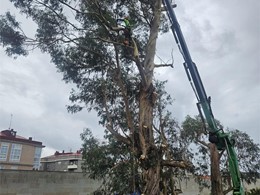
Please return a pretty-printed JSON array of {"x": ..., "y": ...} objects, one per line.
[{"x": 207, "y": 154}]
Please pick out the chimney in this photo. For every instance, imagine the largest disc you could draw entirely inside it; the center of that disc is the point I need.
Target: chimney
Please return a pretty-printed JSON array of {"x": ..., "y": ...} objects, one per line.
[{"x": 13, "y": 133}]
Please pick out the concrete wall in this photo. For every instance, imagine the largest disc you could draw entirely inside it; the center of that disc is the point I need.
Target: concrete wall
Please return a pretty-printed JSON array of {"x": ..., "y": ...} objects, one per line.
[{"x": 13, "y": 182}]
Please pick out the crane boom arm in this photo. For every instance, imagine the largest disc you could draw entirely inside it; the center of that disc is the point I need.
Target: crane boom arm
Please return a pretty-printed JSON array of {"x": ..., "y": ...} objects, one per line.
[{"x": 216, "y": 136}]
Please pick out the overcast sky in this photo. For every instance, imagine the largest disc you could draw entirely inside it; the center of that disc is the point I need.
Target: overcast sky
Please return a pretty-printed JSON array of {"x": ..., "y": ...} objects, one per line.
[{"x": 224, "y": 41}]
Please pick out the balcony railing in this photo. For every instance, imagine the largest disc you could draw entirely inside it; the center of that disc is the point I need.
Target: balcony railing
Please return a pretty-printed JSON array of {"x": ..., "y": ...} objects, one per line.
[{"x": 72, "y": 166}]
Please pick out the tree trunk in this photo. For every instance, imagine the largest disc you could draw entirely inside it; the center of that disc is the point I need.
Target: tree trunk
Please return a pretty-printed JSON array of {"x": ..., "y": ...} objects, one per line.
[
  {"x": 216, "y": 183},
  {"x": 150, "y": 156}
]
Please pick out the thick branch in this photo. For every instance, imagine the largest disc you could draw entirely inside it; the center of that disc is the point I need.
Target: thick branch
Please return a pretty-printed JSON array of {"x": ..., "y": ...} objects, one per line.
[{"x": 151, "y": 45}]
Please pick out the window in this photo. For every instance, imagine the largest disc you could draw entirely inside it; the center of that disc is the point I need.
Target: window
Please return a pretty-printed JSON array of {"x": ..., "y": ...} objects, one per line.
[
  {"x": 16, "y": 152},
  {"x": 37, "y": 158},
  {"x": 4, "y": 151}
]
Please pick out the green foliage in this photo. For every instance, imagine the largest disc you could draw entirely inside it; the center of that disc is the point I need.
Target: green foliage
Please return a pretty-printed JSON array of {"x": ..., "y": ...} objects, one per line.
[
  {"x": 248, "y": 154},
  {"x": 79, "y": 38},
  {"x": 192, "y": 128},
  {"x": 254, "y": 191},
  {"x": 194, "y": 136},
  {"x": 11, "y": 36},
  {"x": 109, "y": 162}
]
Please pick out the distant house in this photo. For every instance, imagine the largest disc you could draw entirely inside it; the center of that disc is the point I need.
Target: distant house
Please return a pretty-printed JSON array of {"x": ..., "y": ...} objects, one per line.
[
  {"x": 17, "y": 152},
  {"x": 62, "y": 161}
]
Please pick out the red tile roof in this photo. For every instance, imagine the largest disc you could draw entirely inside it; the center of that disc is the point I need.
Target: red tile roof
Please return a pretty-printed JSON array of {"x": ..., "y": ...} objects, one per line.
[{"x": 11, "y": 135}]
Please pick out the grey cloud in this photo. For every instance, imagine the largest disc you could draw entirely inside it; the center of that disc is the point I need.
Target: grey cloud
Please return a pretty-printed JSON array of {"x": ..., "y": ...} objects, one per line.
[
  {"x": 225, "y": 46},
  {"x": 223, "y": 38}
]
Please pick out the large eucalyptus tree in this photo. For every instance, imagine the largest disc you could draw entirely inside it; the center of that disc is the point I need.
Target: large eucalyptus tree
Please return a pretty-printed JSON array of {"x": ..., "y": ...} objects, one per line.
[{"x": 114, "y": 79}]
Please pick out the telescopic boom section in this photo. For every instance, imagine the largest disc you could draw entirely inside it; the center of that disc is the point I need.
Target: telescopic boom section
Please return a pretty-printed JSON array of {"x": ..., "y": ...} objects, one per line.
[{"x": 216, "y": 136}]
